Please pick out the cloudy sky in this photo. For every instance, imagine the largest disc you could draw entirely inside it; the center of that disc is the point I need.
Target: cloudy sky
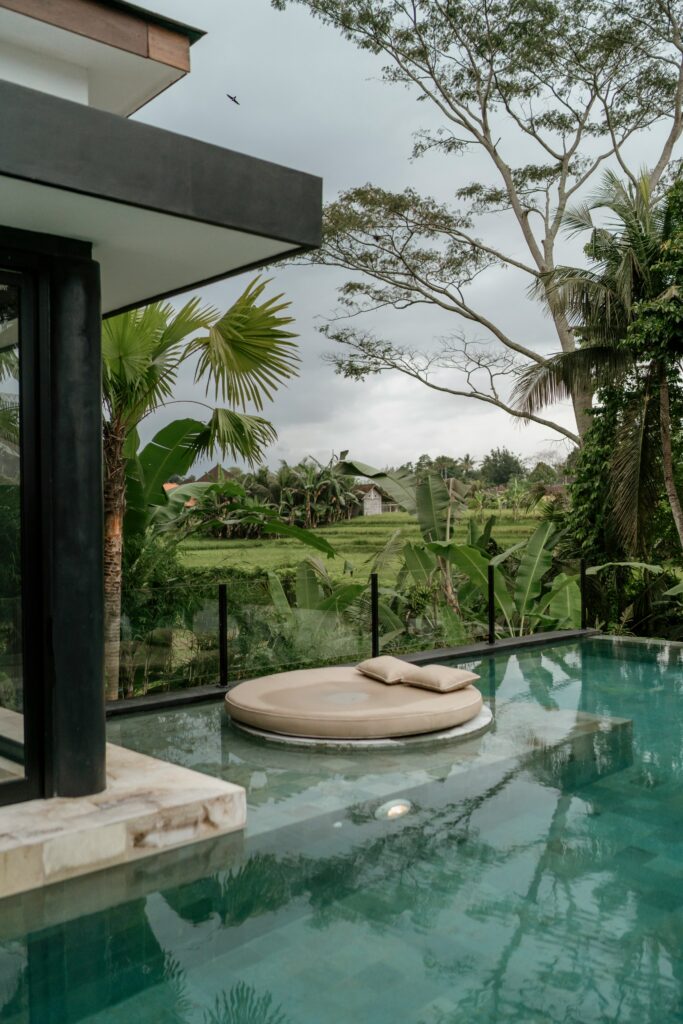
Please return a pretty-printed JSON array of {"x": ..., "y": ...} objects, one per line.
[{"x": 310, "y": 100}]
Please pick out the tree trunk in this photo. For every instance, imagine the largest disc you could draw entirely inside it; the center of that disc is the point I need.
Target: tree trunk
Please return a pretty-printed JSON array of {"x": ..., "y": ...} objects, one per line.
[
  {"x": 114, "y": 509},
  {"x": 447, "y": 582},
  {"x": 667, "y": 454},
  {"x": 582, "y": 401}
]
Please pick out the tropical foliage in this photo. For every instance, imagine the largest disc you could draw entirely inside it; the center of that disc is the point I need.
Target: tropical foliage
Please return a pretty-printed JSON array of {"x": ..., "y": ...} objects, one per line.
[
  {"x": 242, "y": 356},
  {"x": 627, "y": 310}
]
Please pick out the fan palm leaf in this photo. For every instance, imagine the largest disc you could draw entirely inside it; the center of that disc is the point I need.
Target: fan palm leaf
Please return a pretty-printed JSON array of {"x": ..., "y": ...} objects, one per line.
[
  {"x": 9, "y": 420},
  {"x": 236, "y": 434},
  {"x": 248, "y": 353},
  {"x": 141, "y": 353}
]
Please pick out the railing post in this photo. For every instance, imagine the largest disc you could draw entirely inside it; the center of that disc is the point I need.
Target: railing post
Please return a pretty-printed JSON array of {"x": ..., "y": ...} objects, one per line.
[
  {"x": 374, "y": 613},
  {"x": 582, "y": 577},
  {"x": 491, "y": 605},
  {"x": 223, "y": 635}
]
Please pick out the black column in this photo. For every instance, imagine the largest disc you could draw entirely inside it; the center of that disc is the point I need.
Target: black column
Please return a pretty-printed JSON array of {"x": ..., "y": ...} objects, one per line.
[{"x": 76, "y": 722}]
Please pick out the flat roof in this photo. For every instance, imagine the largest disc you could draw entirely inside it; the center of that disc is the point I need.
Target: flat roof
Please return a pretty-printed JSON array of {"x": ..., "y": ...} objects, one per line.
[
  {"x": 164, "y": 213},
  {"x": 105, "y": 53},
  {"x": 193, "y": 34}
]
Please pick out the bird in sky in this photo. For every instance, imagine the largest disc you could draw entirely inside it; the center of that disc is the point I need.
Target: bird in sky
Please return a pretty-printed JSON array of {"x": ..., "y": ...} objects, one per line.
[{"x": 233, "y": 98}]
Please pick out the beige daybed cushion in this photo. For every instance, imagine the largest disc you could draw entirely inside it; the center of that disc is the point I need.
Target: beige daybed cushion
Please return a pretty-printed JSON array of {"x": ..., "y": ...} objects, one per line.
[
  {"x": 385, "y": 668},
  {"x": 441, "y": 678},
  {"x": 342, "y": 703}
]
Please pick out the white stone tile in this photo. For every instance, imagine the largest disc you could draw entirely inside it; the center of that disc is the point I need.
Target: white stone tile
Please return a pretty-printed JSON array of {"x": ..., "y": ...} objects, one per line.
[{"x": 148, "y": 806}]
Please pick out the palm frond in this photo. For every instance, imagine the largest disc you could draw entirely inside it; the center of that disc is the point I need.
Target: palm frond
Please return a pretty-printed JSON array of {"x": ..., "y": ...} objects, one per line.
[
  {"x": 141, "y": 352},
  {"x": 236, "y": 434},
  {"x": 634, "y": 470},
  {"x": 9, "y": 364},
  {"x": 567, "y": 373},
  {"x": 9, "y": 420},
  {"x": 179, "y": 326},
  {"x": 247, "y": 354}
]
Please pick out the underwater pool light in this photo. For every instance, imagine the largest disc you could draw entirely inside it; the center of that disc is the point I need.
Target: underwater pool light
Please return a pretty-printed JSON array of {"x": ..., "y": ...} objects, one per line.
[{"x": 394, "y": 809}]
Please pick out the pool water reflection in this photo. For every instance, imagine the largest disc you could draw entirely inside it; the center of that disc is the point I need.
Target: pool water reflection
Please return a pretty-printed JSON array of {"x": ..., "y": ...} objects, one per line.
[{"x": 536, "y": 878}]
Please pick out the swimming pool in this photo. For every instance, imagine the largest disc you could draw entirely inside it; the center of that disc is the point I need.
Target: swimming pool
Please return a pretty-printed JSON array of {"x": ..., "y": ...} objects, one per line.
[{"x": 538, "y": 876}]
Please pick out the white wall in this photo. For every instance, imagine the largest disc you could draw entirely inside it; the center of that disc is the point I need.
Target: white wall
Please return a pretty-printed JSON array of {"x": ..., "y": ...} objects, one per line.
[{"x": 39, "y": 71}]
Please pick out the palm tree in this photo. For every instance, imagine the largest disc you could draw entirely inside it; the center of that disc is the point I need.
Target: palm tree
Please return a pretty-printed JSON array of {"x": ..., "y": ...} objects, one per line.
[
  {"x": 602, "y": 304},
  {"x": 242, "y": 356},
  {"x": 466, "y": 465}
]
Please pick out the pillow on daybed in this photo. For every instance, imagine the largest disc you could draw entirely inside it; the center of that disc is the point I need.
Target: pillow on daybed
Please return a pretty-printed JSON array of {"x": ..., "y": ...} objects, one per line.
[
  {"x": 385, "y": 669},
  {"x": 438, "y": 677}
]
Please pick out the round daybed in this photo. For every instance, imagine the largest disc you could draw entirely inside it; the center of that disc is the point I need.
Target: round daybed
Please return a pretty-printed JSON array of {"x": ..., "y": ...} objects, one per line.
[{"x": 344, "y": 704}]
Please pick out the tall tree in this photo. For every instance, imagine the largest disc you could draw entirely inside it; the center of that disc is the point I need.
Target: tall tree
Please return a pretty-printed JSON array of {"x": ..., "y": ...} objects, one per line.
[
  {"x": 627, "y": 307},
  {"x": 499, "y": 466},
  {"x": 242, "y": 356},
  {"x": 546, "y": 93}
]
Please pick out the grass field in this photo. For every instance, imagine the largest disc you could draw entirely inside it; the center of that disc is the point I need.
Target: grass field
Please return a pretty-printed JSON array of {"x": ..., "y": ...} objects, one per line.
[{"x": 356, "y": 542}]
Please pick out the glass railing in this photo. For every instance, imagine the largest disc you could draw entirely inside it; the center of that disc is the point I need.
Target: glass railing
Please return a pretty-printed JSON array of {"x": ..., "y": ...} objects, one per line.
[{"x": 181, "y": 636}]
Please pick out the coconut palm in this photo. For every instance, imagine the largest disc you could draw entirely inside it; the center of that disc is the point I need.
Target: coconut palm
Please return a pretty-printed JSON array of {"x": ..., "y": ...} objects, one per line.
[
  {"x": 241, "y": 356},
  {"x": 602, "y": 304}
]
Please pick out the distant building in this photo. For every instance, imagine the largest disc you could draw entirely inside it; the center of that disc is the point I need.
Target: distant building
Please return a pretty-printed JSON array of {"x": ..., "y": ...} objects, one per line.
[{"x": 374, "y": 500}]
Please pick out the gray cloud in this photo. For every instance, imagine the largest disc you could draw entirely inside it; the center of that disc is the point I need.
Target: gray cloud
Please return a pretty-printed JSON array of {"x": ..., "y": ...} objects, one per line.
[{"x": 309, "y": 99}]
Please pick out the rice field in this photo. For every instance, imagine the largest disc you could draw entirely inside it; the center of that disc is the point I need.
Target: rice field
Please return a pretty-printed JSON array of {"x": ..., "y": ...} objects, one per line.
[{"x": 356, "y": 542}]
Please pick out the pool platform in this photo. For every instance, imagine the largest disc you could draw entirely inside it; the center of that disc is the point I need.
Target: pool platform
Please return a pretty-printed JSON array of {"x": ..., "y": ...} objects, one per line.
[{"x": 147, "y": 807}]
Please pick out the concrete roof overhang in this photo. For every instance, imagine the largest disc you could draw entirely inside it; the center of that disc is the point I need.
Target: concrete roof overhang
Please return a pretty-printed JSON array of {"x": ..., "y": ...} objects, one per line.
[{"x": 164, "y": 213}]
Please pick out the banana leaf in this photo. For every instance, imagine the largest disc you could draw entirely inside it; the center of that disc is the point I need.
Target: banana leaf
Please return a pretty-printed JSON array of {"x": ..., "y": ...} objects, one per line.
[
  {"x": 136, "y": 519},
  {"x": 593, "y": 570},
  {"x": 400, "y": 485},
  {"x": 565, "y": 606},
  {"x": 420, "y": 563},
  {"x": 473, "y": 532},
  {"x": 342, "y": 597},
  {"x": 308, "y": 592},
  {"x": 307, "y": 537},
  {"x": 169, "y": 453},
  {"x": 433, "y": 502},
  {"x": 389, "y": 620},
  {"x": 504, "y": 555},
  {"x": 535, "y": 562},
  {"x": 278, "y": 596},
  {"x": 561, "y": 603},
  {"x": 474, "y": 564}
]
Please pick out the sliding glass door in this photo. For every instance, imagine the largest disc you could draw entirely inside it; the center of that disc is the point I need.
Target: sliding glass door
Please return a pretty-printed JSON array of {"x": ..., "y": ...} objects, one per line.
[{"x": 20, "y": 774}]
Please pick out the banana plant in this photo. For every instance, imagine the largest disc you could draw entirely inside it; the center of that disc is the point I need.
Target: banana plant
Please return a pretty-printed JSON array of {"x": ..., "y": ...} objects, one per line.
[
  {"x": 436, "y": 505},
  {"x": 526, "y": 599},
  {"x": 325, "y": 611},
  {"x": 191, "y": 507}
]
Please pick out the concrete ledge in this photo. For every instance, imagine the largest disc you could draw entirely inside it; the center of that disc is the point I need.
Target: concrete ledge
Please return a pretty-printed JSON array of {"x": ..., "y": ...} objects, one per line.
[{"x": 148, "y": 806}]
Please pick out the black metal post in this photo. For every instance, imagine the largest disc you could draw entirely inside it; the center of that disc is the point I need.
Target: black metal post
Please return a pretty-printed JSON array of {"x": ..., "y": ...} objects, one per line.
[
  {"x": 492, "y": 606},
  {"x": 73, "y": 506},
  {"x": 374, "y": 612},
  {"x": 584, "y": 610},
  {"x": 223, "y": 635}
]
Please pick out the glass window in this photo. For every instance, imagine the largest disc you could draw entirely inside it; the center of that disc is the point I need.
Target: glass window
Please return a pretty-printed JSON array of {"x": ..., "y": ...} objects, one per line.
[{"x": 11, "y": 669}]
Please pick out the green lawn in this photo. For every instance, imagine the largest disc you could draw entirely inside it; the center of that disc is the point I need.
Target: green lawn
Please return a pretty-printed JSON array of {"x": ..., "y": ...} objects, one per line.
[{"x": 356, "y": 541}]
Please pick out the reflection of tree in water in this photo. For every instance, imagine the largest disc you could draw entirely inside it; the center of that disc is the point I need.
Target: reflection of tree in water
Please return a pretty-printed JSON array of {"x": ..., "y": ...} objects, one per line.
[
  {"x": 623, "y": 958},
  {"x": 88, "y": 965},
  {"x": 242, "y": 1005},
  {"x": 385, "y": 876},
  {"x": 540, "y": 679}
]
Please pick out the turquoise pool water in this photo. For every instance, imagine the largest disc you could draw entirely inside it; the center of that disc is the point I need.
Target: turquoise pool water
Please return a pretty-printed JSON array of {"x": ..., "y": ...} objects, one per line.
[{"x": 538, "y": 878}]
